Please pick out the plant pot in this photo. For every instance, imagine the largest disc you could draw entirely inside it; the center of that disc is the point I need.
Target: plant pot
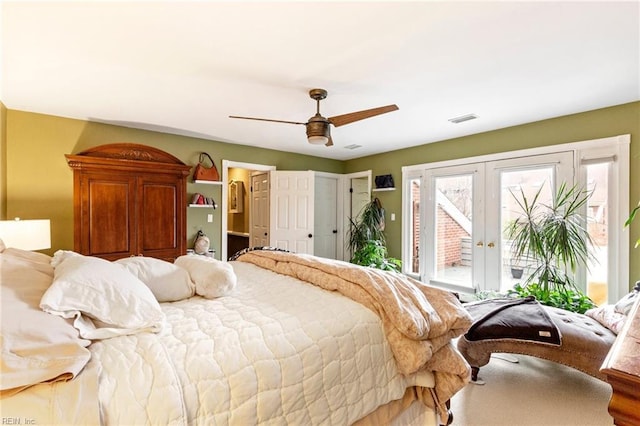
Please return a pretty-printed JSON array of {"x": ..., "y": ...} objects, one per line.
[{"x": 516, "y": 273}]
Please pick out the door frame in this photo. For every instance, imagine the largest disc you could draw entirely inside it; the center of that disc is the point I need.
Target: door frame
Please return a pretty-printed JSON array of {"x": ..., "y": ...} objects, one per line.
[
  {"x": 226, "y": 165},
  {"x": 343, "y": 236}
]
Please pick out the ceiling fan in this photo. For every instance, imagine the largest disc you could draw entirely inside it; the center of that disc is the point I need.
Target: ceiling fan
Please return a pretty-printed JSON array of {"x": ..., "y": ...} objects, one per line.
[{"x": 318, "y": 129}]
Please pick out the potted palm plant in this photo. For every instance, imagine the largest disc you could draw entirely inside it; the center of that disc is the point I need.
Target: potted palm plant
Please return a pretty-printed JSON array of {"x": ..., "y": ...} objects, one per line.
[
  {"x": 367, "y": 242},
  {"x": 554, "y": 240}
]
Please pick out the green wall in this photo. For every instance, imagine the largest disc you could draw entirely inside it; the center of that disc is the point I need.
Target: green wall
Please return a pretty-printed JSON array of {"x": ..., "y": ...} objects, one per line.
[
  {"x": 613, "y": 121},
  {"x": 39, "y": 182}
]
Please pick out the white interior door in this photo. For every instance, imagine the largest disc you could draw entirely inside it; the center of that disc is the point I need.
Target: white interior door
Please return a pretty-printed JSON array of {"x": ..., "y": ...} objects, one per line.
[
  {"x": 259, "y": 219},
  {"x": 326, "y": 216},
  {"x": 292, "y": 210}
]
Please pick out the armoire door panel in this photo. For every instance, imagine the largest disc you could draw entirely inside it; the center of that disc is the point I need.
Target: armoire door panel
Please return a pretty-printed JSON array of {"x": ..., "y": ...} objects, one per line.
[
  {"x": 110, "y": 207},
  {"x": 158, "y": 216}
]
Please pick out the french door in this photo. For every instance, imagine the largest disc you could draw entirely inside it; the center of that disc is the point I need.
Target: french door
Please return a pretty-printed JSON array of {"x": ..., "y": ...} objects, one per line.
[{"x": 465, "y": 210}]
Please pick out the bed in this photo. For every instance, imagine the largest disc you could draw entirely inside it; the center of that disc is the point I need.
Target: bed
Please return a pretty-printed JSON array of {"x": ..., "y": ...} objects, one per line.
[{"x": 268, "y": 338}]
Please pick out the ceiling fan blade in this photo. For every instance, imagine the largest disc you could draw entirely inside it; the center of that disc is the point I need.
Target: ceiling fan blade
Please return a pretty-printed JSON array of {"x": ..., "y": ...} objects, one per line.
[
  {"x": 341, "y": 120},
  {"x": 267, "y": 119},
  {"x": 329, "y": 142}
]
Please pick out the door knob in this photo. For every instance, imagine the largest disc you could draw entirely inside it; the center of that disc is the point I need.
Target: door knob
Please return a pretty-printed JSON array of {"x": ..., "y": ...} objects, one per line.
[
  {"x": 335, "y": 231},
  {"x": 479, "y": 244},
  {"x": 265, "y": 234},
  {"x": 491, "y": 245},
  {"x": 310, "y": 235}
]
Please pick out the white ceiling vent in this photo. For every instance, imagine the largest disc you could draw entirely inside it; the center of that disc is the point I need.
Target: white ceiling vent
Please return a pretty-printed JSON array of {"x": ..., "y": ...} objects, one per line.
[
  {"x": 463, "y": 118},
  {"x": 353, "y": 146}
]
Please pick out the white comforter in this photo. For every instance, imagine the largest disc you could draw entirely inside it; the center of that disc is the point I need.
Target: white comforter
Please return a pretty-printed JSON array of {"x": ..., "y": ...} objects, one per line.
[{"x": 272, "y": 352}]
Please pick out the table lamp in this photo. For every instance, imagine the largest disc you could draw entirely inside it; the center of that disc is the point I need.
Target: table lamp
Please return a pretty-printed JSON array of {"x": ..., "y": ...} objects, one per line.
[{"x": 26, "y": 234}]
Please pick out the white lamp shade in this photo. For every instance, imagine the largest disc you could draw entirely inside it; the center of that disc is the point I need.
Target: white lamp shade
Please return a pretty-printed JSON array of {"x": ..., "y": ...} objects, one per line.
[{"x": 26, "y": 234}]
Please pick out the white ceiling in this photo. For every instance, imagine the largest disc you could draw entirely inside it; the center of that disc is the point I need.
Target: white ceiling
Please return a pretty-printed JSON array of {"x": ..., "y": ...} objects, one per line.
[{"x": 184, "y": 67}]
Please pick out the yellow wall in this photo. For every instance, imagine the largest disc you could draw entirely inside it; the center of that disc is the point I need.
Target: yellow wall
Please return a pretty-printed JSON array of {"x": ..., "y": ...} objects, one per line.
[
  {"x": 3, "y": 164},
  {"x": 239, "y": 222}
]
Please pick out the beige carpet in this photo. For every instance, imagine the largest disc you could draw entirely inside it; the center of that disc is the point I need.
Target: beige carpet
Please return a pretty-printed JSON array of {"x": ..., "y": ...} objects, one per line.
[{"x": 532, "y": 392}]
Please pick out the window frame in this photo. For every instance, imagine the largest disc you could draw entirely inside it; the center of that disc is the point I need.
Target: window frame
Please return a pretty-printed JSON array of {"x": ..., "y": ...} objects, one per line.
[{"x": 615, "y": 149}]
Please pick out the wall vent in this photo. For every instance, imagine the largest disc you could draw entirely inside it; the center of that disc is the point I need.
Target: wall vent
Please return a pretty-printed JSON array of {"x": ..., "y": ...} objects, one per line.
[
  {"x": 463, "y": 118},
  {"x": 353, "y": 146}
]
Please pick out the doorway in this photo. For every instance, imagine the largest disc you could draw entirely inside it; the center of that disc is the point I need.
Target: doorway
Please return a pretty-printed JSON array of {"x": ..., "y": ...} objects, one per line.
[
  {"x": 236, "y": 222},
  {"x": 466, "y": 209}
]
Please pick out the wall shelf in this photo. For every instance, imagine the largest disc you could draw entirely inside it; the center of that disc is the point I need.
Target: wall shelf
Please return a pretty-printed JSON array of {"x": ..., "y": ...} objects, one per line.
[
  {"x": 209, "y": 182},
  {"x": 206, "y": 206},
  {"x": 382, "y": 189}
]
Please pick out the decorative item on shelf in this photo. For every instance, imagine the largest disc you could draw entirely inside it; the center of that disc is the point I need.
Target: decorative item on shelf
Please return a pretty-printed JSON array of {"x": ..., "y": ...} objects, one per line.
[
  {"x": 201, "y": 243},
  {"x": 384, "y": 181},
  {"x": 200, "y": 200},
  {"x": 202, "y": 172},
  {"x": 26, "y": 234}
]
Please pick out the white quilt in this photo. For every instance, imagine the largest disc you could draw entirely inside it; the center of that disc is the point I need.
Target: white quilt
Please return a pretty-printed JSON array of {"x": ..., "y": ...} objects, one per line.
[{"x": 271, "y": 352}]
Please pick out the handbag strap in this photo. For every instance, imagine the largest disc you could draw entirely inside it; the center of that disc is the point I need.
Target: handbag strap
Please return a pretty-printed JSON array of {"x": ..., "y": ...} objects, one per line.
[{"x": 201, "y": 159}]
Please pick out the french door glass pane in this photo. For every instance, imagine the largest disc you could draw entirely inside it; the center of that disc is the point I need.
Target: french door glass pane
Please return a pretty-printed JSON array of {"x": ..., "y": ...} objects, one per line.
[
  {"x": 414, "y": 184},
  {"x": 453, "y": 224},
  {"x": 597, "y": 214},
  {"x": 514, "y": 185}
]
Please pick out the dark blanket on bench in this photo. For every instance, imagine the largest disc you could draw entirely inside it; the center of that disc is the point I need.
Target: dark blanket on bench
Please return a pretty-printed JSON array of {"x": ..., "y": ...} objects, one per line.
[{"x": 522, "y": 318}]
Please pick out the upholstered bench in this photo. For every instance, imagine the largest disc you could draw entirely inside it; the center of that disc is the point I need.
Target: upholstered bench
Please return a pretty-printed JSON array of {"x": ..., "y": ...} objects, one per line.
[{"x": 524, "y": 326}]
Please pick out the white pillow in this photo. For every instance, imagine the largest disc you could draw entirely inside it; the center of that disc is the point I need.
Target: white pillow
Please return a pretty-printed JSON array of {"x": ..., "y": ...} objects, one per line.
[
  {"x": 61, "y": 255},
  {"x": 212, "y": 277},
  {"x": 103, "y": 297},
  {"x": 607, "y": 316},
  {"x": 624, "y": 305},
  {"x": 167, "y": 282}
]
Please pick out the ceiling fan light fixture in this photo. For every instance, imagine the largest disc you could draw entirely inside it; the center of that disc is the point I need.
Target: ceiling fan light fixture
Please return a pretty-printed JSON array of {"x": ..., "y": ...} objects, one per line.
[
  {"x": 317, "y": 140},
  {"x": 317, "y": 131}
]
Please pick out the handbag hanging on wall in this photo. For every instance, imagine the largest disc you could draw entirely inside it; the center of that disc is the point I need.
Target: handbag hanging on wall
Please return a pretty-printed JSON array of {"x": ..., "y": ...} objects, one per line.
[{"x": 202, "y": 172}]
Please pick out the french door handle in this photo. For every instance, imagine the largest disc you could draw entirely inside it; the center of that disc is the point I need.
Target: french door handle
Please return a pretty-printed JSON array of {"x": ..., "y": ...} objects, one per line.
[
  {"x": 480, "y": 244},
  {"x": 491, "y": 245}
]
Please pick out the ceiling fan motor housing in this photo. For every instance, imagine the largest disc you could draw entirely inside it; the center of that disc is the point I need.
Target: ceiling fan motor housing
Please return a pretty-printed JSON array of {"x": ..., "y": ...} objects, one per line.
[{"x": 318, "y": 126}]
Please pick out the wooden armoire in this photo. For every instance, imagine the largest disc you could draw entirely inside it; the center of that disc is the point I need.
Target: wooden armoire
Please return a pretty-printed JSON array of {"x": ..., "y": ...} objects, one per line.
[{"x": 129, "y": 200}]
